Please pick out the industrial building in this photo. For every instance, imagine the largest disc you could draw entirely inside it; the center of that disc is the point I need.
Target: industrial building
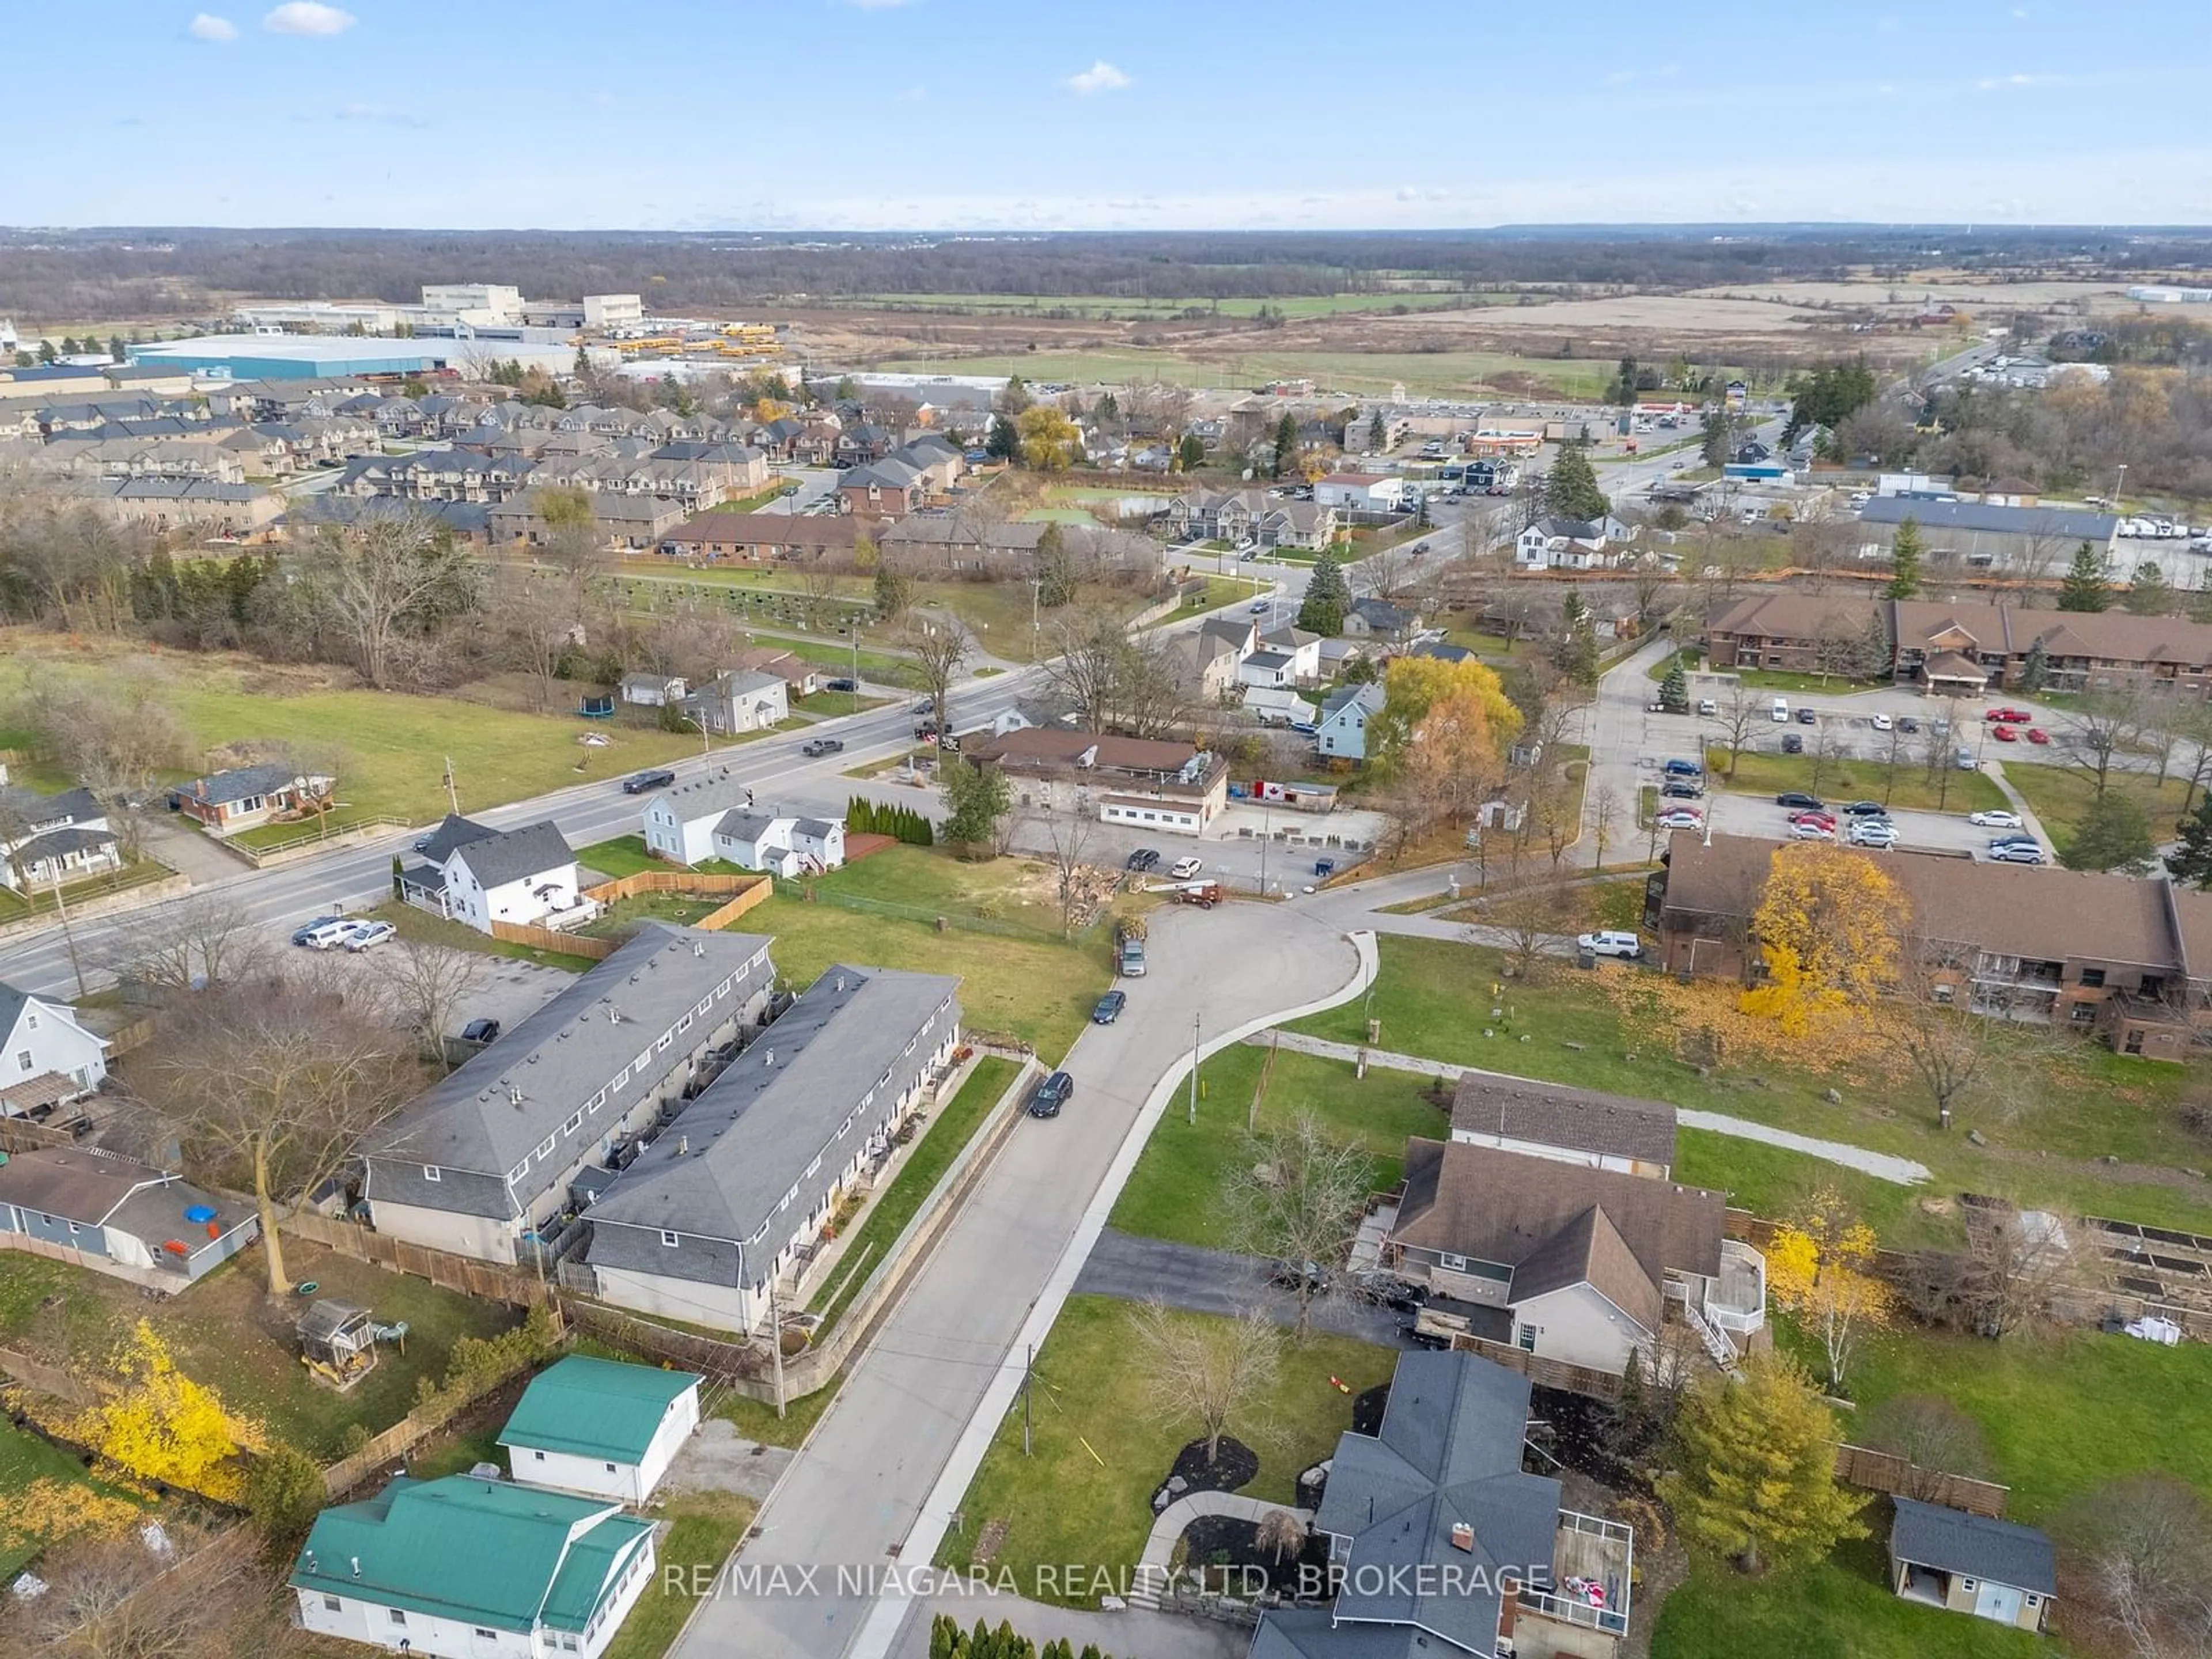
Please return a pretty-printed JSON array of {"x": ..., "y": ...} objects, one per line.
[{"x": 314, "y": 356}]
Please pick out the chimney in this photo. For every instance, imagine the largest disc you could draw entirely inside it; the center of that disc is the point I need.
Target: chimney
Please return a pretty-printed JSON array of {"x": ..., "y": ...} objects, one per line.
[{"x": 1463, "y": 1537}]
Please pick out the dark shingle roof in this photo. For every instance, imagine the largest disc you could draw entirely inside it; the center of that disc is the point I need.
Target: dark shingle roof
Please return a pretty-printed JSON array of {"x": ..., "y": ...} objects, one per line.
[
  {"x": 1951, "y": 1540},
  {"x": 452, "y": 831},
  {"x": 1552, "y": 1114},
  {"x": 517, "y": 854}
]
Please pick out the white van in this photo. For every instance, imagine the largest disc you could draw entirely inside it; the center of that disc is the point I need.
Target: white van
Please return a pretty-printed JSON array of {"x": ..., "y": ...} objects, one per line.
[{"x": 1782, "y": 711}]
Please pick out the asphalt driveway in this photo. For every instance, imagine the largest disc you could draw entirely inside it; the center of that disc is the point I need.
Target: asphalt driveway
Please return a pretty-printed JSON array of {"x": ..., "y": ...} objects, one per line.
[{"x": 1200, "y": 1280}]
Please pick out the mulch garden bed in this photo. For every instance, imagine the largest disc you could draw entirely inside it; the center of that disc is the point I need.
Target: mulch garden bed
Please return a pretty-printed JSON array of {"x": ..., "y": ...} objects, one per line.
[
  {"x": 1234, "y": 1465},
  {"x": 1228, "y": 1550}
]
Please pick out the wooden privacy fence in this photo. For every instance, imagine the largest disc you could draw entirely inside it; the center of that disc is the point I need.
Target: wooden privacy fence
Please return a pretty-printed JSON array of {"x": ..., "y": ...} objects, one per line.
[
  {"x": 488, "y": 1279},
  {"x": 1550, "y": 1373},
  {"x": 1881, "y": 1471},
  {"x": 55, "y": 1380},
  {"x": 544, "y": 939},
  {"x": 691, "y": 1352}
]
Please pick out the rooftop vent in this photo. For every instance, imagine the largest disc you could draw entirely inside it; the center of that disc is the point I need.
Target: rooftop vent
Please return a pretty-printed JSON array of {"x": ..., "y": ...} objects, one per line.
[
  {"x": 356, "y": 1566},
  {"x": 771, "y": 1056}
]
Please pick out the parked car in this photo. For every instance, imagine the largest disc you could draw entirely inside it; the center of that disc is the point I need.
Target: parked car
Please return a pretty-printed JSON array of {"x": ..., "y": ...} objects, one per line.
[
  {"x": 304, "y": 933},
  {"x": 1867, "y": 808},
  {"x": 1387, "y": 1289},
  {"x": 843, "y": 683},
  {"x": 366, "y": 935},
  {"x": 1184, "y": 868},
  {"x": 638, "y": 783},
  {"x": 1793, "y": 745},
  {"x": 1879, "y": 722},
  {"x": 1800, "y": 799},
  {"x": 1054, "y": 1092},
  {"x": 324, "y": 935},
  {"x": 1806, "y": 717},
  {"x": 1144, "y": 858},
  {"x": 2013, "y": 838},
  {"x": 1964, "y": 759},
  {"x": 2037, "y": 734},
  {"x": 1682, "y": 789},
  {"x": 1826, "y": 820},
  {"x": 480, "y": 1030},
  {"x": 1110, "y": 1007},
  {"x": 1682, "y": 817},
  {"x": 2009, "y": 716},
  {"x": 1907, "y": 723},
  {"x": 2004, "y": 734},
  {"x": 1611, "y": 944},
  {"x": 1707, "y": 706},
  {"x": 1997, "y": 818},
  {"x": 1683, "y": 768},
  {"x": 2017, "y": 852},
  {"x": 1293, "y": 1275},
  {"x": 1812, "y": 829},
  {"x": 1874, "y": 832},
  {"x": 822, "y": 746}
]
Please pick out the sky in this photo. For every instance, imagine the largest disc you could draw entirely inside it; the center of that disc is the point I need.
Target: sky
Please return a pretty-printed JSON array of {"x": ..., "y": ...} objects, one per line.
[{"x": 1140, "y": 114}]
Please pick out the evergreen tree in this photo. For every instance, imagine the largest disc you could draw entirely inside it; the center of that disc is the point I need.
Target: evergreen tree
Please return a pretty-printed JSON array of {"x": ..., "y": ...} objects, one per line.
[
  {"x": 1905, "y": 555},
  {"x": 1191, "y": 452},
  {"x": 2191, "y": 859},
  {"x": 1576, "y": 655},
  {"x": 2034, "y": 669},
  {"x": 2084, "y": 587},
  {"x": 1717, "y": 447},
  {"x": 978, "y": 797},
  {"x": 1571, "y": 491},
  {"x": 1004, "y": 443},
  {"x": 1378, "y": 432},
  {"x": 46, "y": 353},
  {"x": 2114, "y": 834},
  {"x": 2149, "y": 594},
  {"x": 115, "y": 351},
  {"x": 69, "y": 345},
  {"x": 846, "y": 391},
  {"x": 581, "y": 368},
  {"x": 1055, "y": 569},
  {"x": 1328, "y": 596},
  {"x": 1624, "y": 386},
  {"x": 1108, "y": 410},
  {"x": 1675, "y": 690},
  {"x": 894, "y": 592},
  {"x": 1286, "y": 443}
]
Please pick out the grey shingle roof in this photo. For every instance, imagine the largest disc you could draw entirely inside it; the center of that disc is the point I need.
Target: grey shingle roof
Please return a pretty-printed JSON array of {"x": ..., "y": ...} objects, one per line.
[
  {"x": 1553, "y": 1115},
  {"x": 1951, "y": 1540},
  {"x": 453, "y": 831},
  {"x": 703, "y": 798},
  {"x": 35, "y": 811},
  {"x": 722, "y": 1170},
  {"x": 564, "y": 1055},
  {"x": 241, "y": 782},
  {"x": 517, "y": 854},
  {"x": 2073, "y": 524}
]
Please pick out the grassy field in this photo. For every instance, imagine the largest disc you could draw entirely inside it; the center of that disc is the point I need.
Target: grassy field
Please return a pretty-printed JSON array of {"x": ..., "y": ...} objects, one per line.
[
  {"x": 2075, "y": 1107},
  {"x": 2060, "y": 796},
  {"x": 949, "y": 1131},
  {"x": 224, "y": 1332},
  {"x": 1909, "y": 788},
  {"x": 620, "y": 919},
  {"x": 25, "y": 1460},
  {"x": 459, "y": 936},
  {"x": 755, "y": 1419},
  {"x": 624, "y": 855},
  {"x": 1441, "y": 373},
  {"x": 1840, "y": 1609},
  {"x": 704, "y": 1528},
  {"x": 1106, "y": 306},
  {"x": 1175, "y": 1191},
  {"x": 1102, "y": 1447}
]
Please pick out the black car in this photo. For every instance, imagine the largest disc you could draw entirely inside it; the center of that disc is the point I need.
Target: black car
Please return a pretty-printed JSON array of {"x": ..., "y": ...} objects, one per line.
[
  {"x": 1798, "y": 800},
  {"x": 1144, "y": 859},
  {"x": 1806, "y": 717},
  {"x": 1793, "y": 745},
  {"x": 659, "y": 778},
  {"x": 1907, "y": 723},
  {"x": 1682, "y": 789},
  {"x": 1109, "y": 1008},
  {"x": 1295, "y": 1275},
  {"x": 480, "y": 1030},
  {"x": 1054, "y": 1092},
  {"x": 300, "y": 935},
  {"x": 841, "y": 685},
  {"x": 821, "y": 746},
  {"x": 1867, "y": 808}
]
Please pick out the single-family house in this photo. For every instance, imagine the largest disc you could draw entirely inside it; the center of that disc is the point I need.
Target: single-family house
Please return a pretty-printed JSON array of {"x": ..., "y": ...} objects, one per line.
[
  {"x": 1995, "y": 1569},
  {"x": 800, "y": 677},
  {"x": 1301, "y": 647},
  {"x": 1441, "y": 1543},
  {"x": 1571, "y": 1126},
  {"x": 1229, "y": 515},
  {"x": 1208, "y": 663},
  {"x": 713, "y": 817},
  {"x": 1308, "y": 525},
  {"x": 650, "y": 690},
  {"x": 475, "y": 874},
  {"x": 735, "y": 1193},
  {"x": 1146, "y": 783},
  {"x": 600, "y": 1427},
  {"x": 224, "y": 803},
  {"x": 488, "y": 1157},
  {"x": 1345, "y": 714},
  {"x": 1361, "y": 492},
  {"x": 467, "y": 1568},
  {"x": 46, "y": 1059},
  {"x": 1275, "y": 705},
  {"x": 888, "y": 488},
  {"x": 1372, "y": 618},
  {"x": 116, "y": 1213},
  {"x": 739, "y": 700},
  {"x": 46, "y": 840},
  {"x": 1568, "y": 1261},
  {"x": 1557, "y": 543}
]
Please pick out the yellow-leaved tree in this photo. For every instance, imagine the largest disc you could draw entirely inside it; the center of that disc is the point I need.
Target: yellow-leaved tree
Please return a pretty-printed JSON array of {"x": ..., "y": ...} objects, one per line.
[
  {"x": 1820, "y": 1268},
  {"x": 1830, "y": 927},
  {"x": 161, "y": 1425},
  {"x": 1413, "y": 686},
  {"x": 1049, "y": 441}
]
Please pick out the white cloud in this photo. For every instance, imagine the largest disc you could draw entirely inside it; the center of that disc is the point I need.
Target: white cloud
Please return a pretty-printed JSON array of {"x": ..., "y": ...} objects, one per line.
[
  {"x": 205, "y": 25},
  {"x": 2017, "y": 82},
  {"x": 876, "y": 5},
  {"x": 1100, "y": 77},
  {"x": 307, "y": 17}
]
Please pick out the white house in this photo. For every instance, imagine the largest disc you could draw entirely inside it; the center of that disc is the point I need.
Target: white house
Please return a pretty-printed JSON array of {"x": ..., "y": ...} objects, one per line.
[
  {"x": 467, "y": 1568},
  {"x": 652, "y": 690},
  {"x": 713, "y": 817},
  {"x": 679, "y": 821},
  {"x": 45, "y": 838},
  {"x": 1284, "y": 656},
  {"x": 475, "y": 874},
  {"x": 1361, "y": 492},
  {"x": 600, "y": 1427},
  {"x": 739, "y": 700},
  {"x": 1344, "y": 714},
  {"x": 1570, "y": 544},
  {"x": 47, "y": 1059},
  {"x": 1271, "y": 707}
]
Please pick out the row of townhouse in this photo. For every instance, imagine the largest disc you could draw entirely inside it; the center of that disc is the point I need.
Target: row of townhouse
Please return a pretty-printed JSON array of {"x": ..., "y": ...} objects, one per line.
[
  {"x": 897, "y": 482},
  {"x": 1950, "y": 648},
  {"x": 1239, "y": 516}
]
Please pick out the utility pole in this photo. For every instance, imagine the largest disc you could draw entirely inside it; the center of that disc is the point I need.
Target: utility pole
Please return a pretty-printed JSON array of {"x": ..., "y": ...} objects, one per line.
[
  {"x": 1267, "y": 834},
  {"x": 1029, "y": 1381},
  {"x": 453, "y": 790},
  {"x": 1193, "y": 1066},
  {"x": 776, "y": 1337},
  {"x": 68, "y": 935},
  {"x": 1037, "y": 587}
]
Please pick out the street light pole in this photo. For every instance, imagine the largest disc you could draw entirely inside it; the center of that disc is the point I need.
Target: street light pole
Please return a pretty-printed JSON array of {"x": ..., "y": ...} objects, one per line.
[{"x": 1193, "y": 1066}]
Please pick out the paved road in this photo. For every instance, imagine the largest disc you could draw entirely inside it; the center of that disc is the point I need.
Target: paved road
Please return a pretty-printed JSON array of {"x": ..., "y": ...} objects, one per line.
[
  {"x": 1200, "y": 1280},
  {"x": 858, "y": 1488}
]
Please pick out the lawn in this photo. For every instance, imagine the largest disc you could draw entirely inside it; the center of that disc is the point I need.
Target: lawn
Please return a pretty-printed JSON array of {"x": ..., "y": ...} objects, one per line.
[
  {"x": 13, "y": 906},
  {"x": 1011, "y": 891},
  {"x": 224, "y": 1332},
  {"x": 1442, "y": 373},
  {"x": 414, "y": 923},
  {"x": 705, "y": 1527},
  {"x": 624, "y": 855},
  {"x": 829, "y": 705},
  {"x": 1102, "y": 1447},
  {"x": 25, "y": 1460},
  {"x": 1783, "y": 679},
  {"x": 620, "y": 919},
  {"x": 1175, "y": 1191},
  {"x": 1840, "y": 1609},
  {"x": 2081, "y": 1103},
  {"x": 755, "y": 1419},
  {"x": 2060, "y": 796},
  {"x": 949, "y": 1130},
  {"x": 1910, "y": 789}
]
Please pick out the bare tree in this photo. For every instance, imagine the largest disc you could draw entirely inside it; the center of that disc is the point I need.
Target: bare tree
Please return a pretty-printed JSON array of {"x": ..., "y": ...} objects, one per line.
[
  {"x": 1387, "y": 572},
  {"x": 2140, "y": 1550},
  {"x": 2024, "y": 1261},
  {"x": 940, "y": 645},
  {"x": 1296, "y": 1199},
  {"x": 1068, "y": 838},
  {"x": 1740, "y": 711},
  {"x": 1206, "y": 1370},
  {"x": 1931, "y": 1434},
  {"x": 114, "y": 735},
  {"x": 276, "y": 1080},
  {"x": 379, "y": 581},
  {"x": 1281, "y": 1534},
  {"x": 817, "y": 589},
  {"x": 1939, "y": 740},
  {"x": 189, "y": 943},
  {"x": 1951, "y": 1050},
  {"x": 537, "y": 624},
  {"x": 2104, "y": 725},
  {"x": 1088, "y": 646},
  {"x": 1531, "y": 913},
  {"x": 429, "y": 983},
  {"x": 112, "y": 1597},
  {"x": 1826, "y": 746},
  {"x": 1606, "y": 811}
]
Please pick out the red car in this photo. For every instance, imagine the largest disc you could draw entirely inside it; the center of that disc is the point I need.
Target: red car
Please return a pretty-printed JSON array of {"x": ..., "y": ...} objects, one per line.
[
  {"x": 1826, "y": 820},
  {"x": 2004, "y": 734},
  {"x": 2010, "y": 716},
  {"x": 2037, "y": 734}
]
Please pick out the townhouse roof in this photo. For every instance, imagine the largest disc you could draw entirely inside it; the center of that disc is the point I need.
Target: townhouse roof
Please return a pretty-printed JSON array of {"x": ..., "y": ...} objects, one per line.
[
  {"x": 1573, "y": 1120},
  {"x": 1973, "y": 1545},
  {"x": 2110, "y": 635},
  {"x": 1050, "y": 746},
  {"x": 1795, "y": 615},
  {"x": 889, "y": 473},
  {"x": 488, "y": 1115},
  {"x": 510, "y": 855},
  {"x": 769, "y": 529},
  {"x": 591, "y": 1407},
  {"x": 2064, "y": 523}
]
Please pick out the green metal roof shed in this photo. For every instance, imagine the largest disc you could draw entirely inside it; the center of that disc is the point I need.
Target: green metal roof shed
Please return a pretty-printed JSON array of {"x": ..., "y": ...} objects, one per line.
[{"x": 600, "y": 1408}]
